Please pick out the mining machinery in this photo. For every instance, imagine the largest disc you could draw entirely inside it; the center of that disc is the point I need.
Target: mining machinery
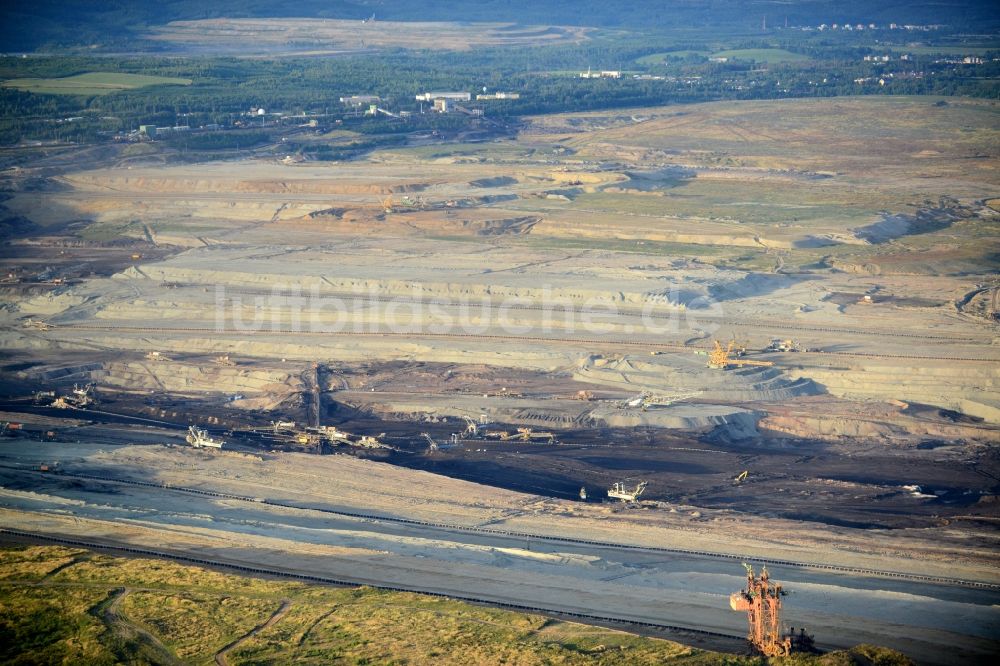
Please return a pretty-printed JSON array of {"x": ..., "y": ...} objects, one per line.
[
  {"x": 719, "y": 358},
  {"x": 199, "y": 438},
  {"x": 282, "y": 426},
  {"x": 646, "y": 400},
  {"x": 224, "y": 360},
  {"x": 620, "y": 491},
  {"x": 37, "y": 324},
  {"x": 336, "y": 437},
  {"x": 370, "y": 442},
  {"x": 434, "y": 445},
  {"x": 527, "y": 435},
  {"x": 471, "y": 427},
  {"x": 779, "y": 345},
  {"x": 42, "y": 396},
  {"x": 81, "y": 397},
  {"x": 761, "y": 601}
]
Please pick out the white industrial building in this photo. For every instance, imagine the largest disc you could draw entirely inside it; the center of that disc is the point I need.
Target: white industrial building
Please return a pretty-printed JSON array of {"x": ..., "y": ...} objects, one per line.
[{"x": 452, "y": 96}]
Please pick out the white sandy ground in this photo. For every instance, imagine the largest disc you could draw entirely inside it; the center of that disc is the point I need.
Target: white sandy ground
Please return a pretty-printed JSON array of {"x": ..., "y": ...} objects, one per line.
[
  {"x": 935, "y": 624},
  {"x": 416, "y": 285}
]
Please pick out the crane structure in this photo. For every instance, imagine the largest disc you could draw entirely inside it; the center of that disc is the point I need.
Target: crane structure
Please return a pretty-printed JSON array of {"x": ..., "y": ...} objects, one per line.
[
  {"x": 620, "y": 491},
  {"x": 720, "y": 358},
  {"x": 434, "y": 445},
  {"x": 761, "y": 601},
  {"x": 471, "y": 427}
]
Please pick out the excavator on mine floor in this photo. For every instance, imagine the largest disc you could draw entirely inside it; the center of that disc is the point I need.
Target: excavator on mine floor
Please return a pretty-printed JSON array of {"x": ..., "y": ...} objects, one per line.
[
  {"x": 720, "y": 358},
  {"x": 471, "y": 427},
  {"x": 619, "y": 491},
  {"x": 199, "y": 438},
  {"x": 527, "y": 435},
  {"x": 80, "y": 398}
]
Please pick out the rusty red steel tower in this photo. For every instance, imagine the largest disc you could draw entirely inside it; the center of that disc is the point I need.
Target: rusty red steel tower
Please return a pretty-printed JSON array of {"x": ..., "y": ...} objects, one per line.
[{"x": 761, "y": 601}]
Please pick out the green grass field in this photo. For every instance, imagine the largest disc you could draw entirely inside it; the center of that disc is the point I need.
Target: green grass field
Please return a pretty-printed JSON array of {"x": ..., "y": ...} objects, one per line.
[
  {"x": 93, "y": 83},
  {"x": 657, "y": 58},
  {"x": 68, "y": 605},
  {"x": 770, "y": 56}
]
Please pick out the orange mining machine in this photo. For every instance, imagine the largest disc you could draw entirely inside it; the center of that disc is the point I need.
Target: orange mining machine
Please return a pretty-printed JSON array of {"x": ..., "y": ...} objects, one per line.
[
  {"x": 761, "y": 601},
  {"x": 721, "y": 357}
]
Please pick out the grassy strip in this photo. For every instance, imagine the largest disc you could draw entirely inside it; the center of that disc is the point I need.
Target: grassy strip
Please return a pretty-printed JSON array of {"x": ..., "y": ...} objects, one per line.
[{"x": 63, "y": 605}]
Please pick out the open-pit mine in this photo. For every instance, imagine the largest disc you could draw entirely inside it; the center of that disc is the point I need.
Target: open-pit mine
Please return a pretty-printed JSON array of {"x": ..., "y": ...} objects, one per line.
[{"x": 427, "y": 367}]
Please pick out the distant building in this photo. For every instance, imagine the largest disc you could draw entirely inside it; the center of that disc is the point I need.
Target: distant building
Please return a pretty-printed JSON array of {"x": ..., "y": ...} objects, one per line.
[
  {"x": 148, "y": 130},
  {"x": 359, "y": 101},
  {"x": 453, "y": 96},
  {"x": 500, "y": 95},
  {"x": 603, "y": 74}
]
